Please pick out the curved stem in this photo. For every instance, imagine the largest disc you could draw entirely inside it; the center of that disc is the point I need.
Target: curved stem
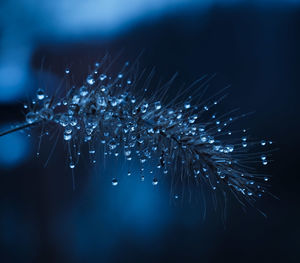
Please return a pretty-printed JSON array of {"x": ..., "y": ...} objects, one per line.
[{"x": 18, "y": 128}]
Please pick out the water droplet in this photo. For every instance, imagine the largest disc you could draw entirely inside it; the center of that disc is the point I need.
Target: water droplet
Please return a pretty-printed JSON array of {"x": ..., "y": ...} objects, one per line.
[
  {"x": 72, "y": 165},
  {"x": 73, "y": 121},
  {"x": 127, "y": 153},
  {"x": 40, "y": 94},
  {"x": 84, "y": 91},
  {"x": 112, "y": 144},
  {"x": 114, "y": 102},
  {"x": 64, "y": 120},
  {"x": 263, "y": 157},
  {"x": 154, "y": 181},
  {"x": 187, "y": 105},
  {"x": 90, "y": 80},
  {"x": 266, "y": 179},
  {"x": 46, "y": 114},
  {"x": 263, "y": 142},
  {"x": 76, "y": 99},
  {"x": 67, "y": 70},
  {"x": 222, "y": 176},
  {"x": 114, "y": 182},
  {"x": 157, "y": 105},
  {"x": 203, "y": 138},
  {"x": 211, "y": 140},
  {"x": 230, "y": 148},
  {"x": 67, "y": 136},
  {"x": 31, "y": 117},
  {"x": 144, "y": 107},
  {"x": 102, "y": 77}
]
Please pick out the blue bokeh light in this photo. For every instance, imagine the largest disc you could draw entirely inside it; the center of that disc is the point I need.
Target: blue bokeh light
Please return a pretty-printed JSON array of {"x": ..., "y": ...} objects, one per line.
[
  {"x": 14, "y": 149},
  {"x": 133, "y": 209},
  {"x": 78, "y": 21},
  {"x": 12, "y": 83}
]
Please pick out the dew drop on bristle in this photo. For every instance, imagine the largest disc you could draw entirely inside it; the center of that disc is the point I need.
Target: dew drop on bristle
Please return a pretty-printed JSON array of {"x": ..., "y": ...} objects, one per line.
[
  {"x": 187, "y": 105},
  {"x": 40, "y": 94},
  {"x": 90, "y": 80},
  {"x": 114, "y": 182},
  {"x": 157, "y": 105},
  {"x": 155, "y": 181},
  {"x": 46, "y": 114},
  {"x": 102, "y": 77},
  {"x": 263, "y": 157},
  {"x": 64, "y": 120},
  {"x": 84, "y": 91},
  {"x": 67, "y": 135},
  {"x": 31, "y": 117}
]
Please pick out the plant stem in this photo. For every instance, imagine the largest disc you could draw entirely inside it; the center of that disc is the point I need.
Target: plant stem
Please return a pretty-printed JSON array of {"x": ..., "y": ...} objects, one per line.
[{"x": 18, "y": 128}]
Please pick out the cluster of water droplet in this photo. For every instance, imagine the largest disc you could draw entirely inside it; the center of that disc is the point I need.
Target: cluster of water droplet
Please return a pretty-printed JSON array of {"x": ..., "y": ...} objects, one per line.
[
  {"x": 40, "y": 108},
  {"x": 174, "y": 139}
]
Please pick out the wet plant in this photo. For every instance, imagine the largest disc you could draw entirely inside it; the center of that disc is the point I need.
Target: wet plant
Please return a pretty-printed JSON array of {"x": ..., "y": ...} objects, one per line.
[{"x": 181, "y": 136}]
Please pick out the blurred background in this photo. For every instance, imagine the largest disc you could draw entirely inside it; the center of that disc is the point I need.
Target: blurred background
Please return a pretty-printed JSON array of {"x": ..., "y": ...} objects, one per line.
[{"x": 252, "y": 45}]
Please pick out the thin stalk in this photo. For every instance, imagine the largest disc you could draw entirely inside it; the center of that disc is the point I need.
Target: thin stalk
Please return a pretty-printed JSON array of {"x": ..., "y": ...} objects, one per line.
[{"x": 18, "y": 128}]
